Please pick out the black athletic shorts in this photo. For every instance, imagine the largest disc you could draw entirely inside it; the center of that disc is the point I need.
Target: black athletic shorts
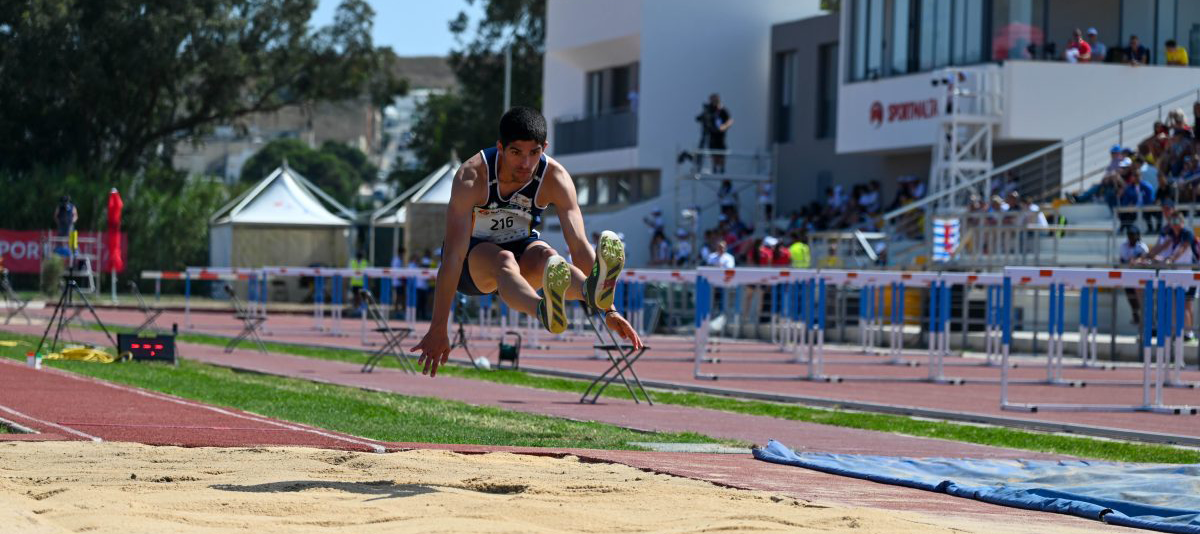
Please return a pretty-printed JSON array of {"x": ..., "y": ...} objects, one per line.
[{"x": 466, "y": 285}]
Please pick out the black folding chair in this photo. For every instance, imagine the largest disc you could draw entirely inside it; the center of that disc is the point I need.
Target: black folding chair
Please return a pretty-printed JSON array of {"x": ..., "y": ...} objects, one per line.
[
  {"x": 13, "y": 303},
  {"x": 151, "y": 314},
  {"x": 393, "y": 338},
  {"x": 621, "y": 357},
  {"x": 252, "y": 324}
]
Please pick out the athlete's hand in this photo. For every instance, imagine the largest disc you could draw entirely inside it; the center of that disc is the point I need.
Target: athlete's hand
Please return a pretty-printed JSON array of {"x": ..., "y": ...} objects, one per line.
[
  {"x": 434, "y": 349},
  {"x": 618, "y": 324}
]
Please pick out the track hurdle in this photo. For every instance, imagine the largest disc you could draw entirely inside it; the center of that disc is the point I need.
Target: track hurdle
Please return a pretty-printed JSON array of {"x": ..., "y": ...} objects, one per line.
[
  {"x": 210, "y": 274},
  {"x": 1156, "y": 322},
  {"x": 806, "y": 327},
  {"x": 938, "y": 321},
  {"x": 1178, "y": 284},
  {"x": 1058, "y": 281}
]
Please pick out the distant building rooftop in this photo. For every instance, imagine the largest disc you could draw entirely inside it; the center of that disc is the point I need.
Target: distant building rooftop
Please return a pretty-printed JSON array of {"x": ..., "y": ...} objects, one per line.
[{"x": 425, "y": 72}]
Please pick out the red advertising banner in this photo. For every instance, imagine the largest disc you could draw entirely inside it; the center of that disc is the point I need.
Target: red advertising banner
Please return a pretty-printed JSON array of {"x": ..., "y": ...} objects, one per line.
[{"x": 22, "y": 251}]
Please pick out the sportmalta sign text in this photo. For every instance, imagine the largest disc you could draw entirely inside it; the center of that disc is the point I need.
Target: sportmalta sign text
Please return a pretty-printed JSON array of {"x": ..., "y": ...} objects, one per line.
[
  {"x": 22, "y": 251},
  {"x": 903, "y": 111}
]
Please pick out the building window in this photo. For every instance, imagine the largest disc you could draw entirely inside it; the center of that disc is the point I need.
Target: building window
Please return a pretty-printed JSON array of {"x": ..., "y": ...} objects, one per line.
[
  {"x": 612, "y": 90},
  {"x": 827, "y": 90},
  {"x": 901, "y": 29},
  {"x": 616, "y": 188},
  {"x": 1018, "y": 29},
  {"x": 894, "y": 37},
  {"x": 785, "y": 88}
]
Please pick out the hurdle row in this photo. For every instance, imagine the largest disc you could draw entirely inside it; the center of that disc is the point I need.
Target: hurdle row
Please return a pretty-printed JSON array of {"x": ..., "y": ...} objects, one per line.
[
  {"x": 801, "y": 306},
  {"x": 629, "y": 297},
  {"x": 799, "y": 313},
  {"x": 1163, "y": 294}
]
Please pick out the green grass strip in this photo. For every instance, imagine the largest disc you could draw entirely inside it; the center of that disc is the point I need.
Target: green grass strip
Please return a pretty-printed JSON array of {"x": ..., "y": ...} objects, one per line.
[
  {"x": 1085, "y": 447},
  {"x": 380, "y": 416}
]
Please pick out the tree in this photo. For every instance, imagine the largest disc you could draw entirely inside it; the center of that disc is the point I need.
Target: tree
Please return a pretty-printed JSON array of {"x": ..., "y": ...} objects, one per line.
[
  {"x": 461, "y": 123},
  {"x": 112, "y": 85},
  {"x": 336, "y": 168}
]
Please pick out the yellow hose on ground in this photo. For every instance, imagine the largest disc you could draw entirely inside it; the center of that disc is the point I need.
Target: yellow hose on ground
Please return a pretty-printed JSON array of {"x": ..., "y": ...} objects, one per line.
[{"x": 82, "y": 354}]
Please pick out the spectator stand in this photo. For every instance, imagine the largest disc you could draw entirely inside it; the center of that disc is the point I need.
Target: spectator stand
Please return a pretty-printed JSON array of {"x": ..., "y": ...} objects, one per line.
[
  {"x": 1158, "y": 306},
  {"x": 747, "y": 172}
]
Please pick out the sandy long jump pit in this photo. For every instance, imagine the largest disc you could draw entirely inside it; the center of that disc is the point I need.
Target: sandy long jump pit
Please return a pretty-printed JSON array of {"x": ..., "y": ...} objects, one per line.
[{"x": 123, "y": 487}]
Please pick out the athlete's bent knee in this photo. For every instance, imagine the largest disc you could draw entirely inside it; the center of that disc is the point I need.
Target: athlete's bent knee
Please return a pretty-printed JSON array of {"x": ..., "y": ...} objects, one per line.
[{"x": 507, "y": 260}]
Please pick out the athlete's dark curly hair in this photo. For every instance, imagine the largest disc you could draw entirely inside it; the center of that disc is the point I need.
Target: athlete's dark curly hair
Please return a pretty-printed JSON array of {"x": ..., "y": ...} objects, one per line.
[{"x": 522, "y": 124}]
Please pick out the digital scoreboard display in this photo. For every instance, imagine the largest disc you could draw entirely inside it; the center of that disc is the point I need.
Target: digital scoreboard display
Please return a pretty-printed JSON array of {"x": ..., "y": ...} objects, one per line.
[{"x": 155, "y": 349}]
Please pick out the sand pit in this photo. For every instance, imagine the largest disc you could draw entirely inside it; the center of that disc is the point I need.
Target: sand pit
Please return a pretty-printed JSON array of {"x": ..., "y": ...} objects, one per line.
[{"x": 122, "y": 487}]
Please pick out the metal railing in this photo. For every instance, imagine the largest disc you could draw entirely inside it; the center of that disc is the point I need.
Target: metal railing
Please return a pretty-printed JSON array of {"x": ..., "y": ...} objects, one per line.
[
  {"x": 844, "y": 248},
  {"x": 999, "y": 239},
  {"x": 1071, "y": 165},
  {"x": 601, "y": 132}
]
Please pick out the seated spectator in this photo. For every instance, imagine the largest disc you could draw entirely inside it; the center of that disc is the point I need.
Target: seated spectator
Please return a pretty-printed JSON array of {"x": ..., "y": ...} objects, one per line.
[
  {"x": 1135, "y": 53},
  {"x": 1196, "y": 114},
  {"x": 660, "y": 249},
  {"x": 801, "y": 258},
  {"x": 1177, "y": 247},
  {"x": 1133, "y": 194},
  {"x": 1133, "y": 251},
  {"x": 655, "y": 221},
  {"x": 766, "y": 200},
  {"x": 998, "y": 205},
  {"x": 762, "y": 251},
  {"x": 1177, "y": 56},
  {"x": 726, "y": 196},
  {"x": 781, "y": 256},
  {"x": 683, "y": 247},
  {"x": 720, "y": 257},
  {"x": 1099, "y": 51},
  {"x": 1078, "y": 50},
  {"x": 708, "y": 245},
  {"x": 1176, "y": 120},
  {"x": 869, "y": 198}
]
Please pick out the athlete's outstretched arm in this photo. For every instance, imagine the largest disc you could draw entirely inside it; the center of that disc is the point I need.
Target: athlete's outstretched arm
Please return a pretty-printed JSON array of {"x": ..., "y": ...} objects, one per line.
[{"x": 434, "y": 348}]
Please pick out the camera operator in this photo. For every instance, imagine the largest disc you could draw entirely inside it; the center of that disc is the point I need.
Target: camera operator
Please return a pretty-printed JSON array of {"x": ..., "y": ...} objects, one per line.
[{"x": 714, "y": 121}]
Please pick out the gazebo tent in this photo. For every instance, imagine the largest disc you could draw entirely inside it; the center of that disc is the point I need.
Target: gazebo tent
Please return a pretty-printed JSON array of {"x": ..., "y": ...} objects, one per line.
[
  {"x": 388, "y": 224},
  {"x": 282, "y": 220}
]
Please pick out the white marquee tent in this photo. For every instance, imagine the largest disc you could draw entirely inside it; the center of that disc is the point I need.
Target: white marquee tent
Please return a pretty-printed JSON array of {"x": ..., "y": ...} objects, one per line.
[{"x": 282, "y": 220}]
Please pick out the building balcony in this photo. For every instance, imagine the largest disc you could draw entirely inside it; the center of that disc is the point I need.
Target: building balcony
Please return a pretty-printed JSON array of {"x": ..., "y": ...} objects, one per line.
[{"x": 601, "y": 132}]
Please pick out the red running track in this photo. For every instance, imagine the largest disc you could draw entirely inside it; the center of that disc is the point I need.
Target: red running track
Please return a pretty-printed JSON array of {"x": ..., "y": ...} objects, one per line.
[{"x": 61, "y": 405}]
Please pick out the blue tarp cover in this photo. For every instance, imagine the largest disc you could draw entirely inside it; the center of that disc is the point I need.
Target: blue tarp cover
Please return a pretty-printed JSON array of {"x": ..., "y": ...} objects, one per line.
[{"x": 1151, "y": 496}]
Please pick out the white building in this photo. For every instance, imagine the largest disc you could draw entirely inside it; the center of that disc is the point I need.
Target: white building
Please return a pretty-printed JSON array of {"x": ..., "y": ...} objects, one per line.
[
  {"x": 623, "y": 83},
  {"x": 1045, "y": 124}
]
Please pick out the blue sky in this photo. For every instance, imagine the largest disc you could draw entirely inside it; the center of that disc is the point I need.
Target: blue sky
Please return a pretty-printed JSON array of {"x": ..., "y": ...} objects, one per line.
[{"x": 410, "y": 27}]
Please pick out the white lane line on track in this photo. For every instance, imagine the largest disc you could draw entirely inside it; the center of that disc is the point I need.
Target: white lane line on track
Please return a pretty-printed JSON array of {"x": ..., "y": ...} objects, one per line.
[
  {"x": 18, "y": 427},
  {"x": 48, "y": 423}
]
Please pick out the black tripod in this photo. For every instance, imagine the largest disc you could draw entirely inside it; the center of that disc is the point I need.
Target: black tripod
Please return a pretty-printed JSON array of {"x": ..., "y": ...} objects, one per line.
[
  {"x": 58, "y": 319},
  {"x": 460, "y": 337}
]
